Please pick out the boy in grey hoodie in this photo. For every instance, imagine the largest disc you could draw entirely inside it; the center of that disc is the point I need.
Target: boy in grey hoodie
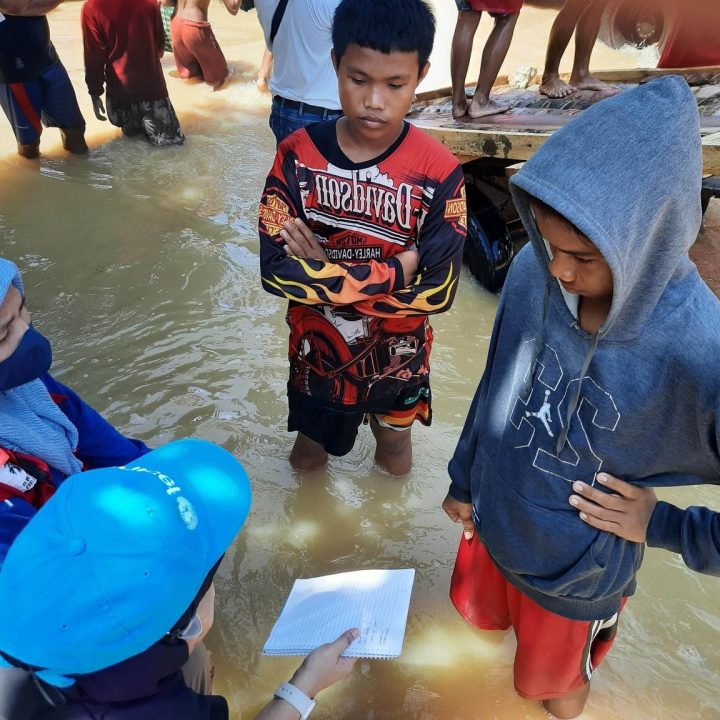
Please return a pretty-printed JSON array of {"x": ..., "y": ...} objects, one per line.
[{"x": 601, "y": 383}]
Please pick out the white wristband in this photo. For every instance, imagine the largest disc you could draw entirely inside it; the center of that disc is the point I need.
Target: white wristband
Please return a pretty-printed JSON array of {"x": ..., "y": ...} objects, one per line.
[{"x": 297, "y": 698}]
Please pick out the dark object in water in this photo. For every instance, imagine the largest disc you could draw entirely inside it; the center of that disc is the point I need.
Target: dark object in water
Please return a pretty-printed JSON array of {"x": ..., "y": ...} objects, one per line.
[
  {"x": 710, "y": 189},
  {"x": 247, "y": 5},
  {"x": 489, "y": 246}
]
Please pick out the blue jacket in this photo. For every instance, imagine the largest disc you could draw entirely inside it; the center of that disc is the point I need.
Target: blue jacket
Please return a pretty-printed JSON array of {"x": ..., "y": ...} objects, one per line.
[
  {"x": 99, "y": 445},
  {"x": 149, "y": 685},
  {"x": 176, "y": 701},
  {"x": 640, "y": 399}
]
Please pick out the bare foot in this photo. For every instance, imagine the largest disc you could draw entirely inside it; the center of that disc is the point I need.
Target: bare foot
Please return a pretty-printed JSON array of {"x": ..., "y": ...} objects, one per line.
[
  {"x": 307, "y": 454},
  {"x": 460, "y": 108},
  {"x": 555, "y": 88},
  {"x": 480, "y": 109},
  {"x": 586, "y": 81}
]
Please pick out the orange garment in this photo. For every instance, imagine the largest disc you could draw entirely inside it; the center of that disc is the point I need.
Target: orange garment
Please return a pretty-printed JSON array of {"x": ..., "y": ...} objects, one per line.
[{"x": 197, "y": 53}]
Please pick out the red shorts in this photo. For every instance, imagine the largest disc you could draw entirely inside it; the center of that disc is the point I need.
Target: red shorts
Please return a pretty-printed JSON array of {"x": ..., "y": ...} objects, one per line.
[
  {"x": 197, "y": 53},
  {"x": 555, "y": 656}
]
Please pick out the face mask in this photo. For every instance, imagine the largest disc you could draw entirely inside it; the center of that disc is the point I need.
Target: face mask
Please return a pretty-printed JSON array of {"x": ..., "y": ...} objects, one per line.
[{"x": 32, "y": 358}]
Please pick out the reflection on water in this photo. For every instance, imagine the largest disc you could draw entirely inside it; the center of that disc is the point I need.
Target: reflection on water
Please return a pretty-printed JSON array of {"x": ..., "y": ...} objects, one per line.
[{"x": 142, "y": 265}]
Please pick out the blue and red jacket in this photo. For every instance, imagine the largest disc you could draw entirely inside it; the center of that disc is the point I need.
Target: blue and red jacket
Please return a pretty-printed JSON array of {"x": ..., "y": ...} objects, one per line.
[
  {"x": 149, "y": 685},
  {"x": 99, "y": 445}
]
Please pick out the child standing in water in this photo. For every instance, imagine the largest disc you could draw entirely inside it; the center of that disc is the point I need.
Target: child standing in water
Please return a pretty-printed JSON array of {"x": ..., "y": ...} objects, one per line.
[
  {"x": 601, "y": 382},
  {"x": 362, "y": 225},
  {"x": 505, "y": 14}
]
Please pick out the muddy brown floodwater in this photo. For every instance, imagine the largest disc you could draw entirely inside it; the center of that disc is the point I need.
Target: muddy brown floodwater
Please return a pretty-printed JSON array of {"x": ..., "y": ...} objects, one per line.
[{"x": 142, "y": 266}]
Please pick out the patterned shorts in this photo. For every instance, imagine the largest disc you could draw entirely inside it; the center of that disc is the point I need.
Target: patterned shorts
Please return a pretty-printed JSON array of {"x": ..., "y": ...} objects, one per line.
[
  {"x": 336, "y": 431},
  {"x": 156, "y": 119}
]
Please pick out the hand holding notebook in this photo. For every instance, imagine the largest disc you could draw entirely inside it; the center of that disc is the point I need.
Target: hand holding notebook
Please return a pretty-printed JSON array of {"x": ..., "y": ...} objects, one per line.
[{"x": 319, "y": 609}]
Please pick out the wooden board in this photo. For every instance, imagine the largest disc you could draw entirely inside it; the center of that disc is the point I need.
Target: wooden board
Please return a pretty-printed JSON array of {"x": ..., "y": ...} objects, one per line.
[
  {"x": 517, "y": 134},
  {"x": 711, "y": 154}
]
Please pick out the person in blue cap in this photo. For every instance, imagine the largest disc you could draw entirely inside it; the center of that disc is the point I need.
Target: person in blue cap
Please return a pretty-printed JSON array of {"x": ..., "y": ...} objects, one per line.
[
  {"x": 47, "y": 432},
  {"x": 110, "y": 588}
]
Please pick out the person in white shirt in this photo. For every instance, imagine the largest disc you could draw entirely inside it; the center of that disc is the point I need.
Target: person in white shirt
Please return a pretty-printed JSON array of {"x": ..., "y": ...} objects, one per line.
[{"x": 303, "y": 81}]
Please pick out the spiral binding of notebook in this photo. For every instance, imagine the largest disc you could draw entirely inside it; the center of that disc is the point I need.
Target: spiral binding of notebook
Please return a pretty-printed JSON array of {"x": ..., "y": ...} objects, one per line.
[{"x": 318, "y": 610}]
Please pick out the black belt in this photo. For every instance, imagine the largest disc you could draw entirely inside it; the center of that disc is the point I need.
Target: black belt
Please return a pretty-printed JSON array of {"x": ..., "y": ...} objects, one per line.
[{"x": 303, "y": 107}]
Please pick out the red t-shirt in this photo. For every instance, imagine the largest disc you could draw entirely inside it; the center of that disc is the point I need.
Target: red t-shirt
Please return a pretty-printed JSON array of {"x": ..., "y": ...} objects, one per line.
[
  {"x": 124, "y": 41},
  {"x": 359, "y": 338}
]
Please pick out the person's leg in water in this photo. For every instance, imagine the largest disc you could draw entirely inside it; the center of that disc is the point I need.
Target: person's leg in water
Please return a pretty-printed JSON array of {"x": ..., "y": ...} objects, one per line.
[
  {"x": 560, "y": 34},
  {"x": 307, "y": 454},
  {"x": 570, "y": 706},
  {"x": 21, "y": 103},
  {"x": 394, "y": 448},
  {"x": 73, "y": 140},
  {"x": 494, "y": 54},
  {"x": 585, "y": 39},
  {"x": 60, "y": 108},
  {"x": 30, "y": 151},
  {"x": 462, "y": 42}
]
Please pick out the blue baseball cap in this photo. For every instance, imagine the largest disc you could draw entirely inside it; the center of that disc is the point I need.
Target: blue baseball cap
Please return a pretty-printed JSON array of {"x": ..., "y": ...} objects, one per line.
[{"x": 113, "y": 560}]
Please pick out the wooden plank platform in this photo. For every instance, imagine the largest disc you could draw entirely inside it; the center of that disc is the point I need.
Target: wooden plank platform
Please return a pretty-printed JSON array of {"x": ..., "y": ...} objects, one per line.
[{"x": 517, "y": 134}]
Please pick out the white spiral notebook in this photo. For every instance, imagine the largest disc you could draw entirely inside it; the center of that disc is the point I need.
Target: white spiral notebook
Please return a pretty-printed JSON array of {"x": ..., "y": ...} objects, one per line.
[{"x": 318, "y": 610}]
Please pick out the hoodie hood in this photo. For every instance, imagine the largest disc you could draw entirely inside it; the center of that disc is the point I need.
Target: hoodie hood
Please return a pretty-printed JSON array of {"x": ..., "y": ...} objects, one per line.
[{"x": 634, "y": 191}]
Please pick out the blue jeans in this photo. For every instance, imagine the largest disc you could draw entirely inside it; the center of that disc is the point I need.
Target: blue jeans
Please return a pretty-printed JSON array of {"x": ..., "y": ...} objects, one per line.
[{"x": 285, "y": 120}]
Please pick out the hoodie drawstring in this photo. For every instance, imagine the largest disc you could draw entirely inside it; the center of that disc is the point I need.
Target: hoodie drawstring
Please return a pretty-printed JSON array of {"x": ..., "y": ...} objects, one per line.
[
  {"x": 537, "y": 347},
  {"x": 575, "y": 398}
]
